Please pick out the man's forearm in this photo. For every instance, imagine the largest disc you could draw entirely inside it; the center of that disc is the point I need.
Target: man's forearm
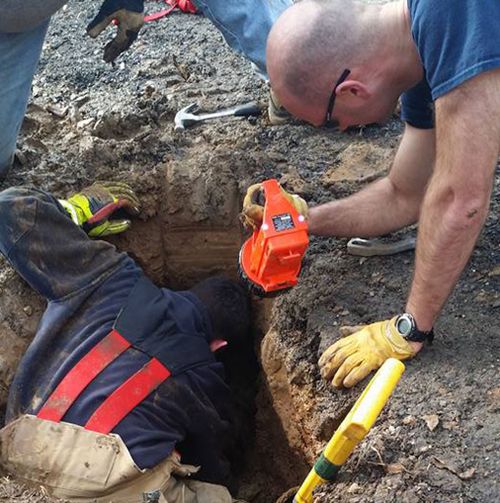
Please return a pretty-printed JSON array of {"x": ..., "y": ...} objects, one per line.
[
  {"x": 457, "y": 200},
  {"x": 376, "y": 210},
  {"x": 448, "y": 231},
  {"x": 385, "y": 205}
]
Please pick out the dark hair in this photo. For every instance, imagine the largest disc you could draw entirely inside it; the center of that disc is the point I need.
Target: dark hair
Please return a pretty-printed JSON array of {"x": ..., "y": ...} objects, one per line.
[{"x": 228, "y": 306}]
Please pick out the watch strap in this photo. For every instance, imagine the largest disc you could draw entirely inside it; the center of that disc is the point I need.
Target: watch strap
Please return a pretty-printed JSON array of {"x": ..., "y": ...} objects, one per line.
[{"x": 421, "y": 336}]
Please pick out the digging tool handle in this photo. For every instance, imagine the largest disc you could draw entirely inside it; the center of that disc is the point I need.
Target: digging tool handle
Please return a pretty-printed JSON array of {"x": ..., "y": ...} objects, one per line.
[
  {"x": 237, "y": 111},
  {"x": 353, "y": 428},
  {"x": 247, "y": 110}
]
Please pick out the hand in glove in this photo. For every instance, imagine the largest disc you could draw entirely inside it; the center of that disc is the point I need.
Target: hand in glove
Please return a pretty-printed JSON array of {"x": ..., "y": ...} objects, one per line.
[
  {"x": 365, "y": 348},
  {"x": 91, "y": 207},
  {"x": 252, "y": 213},
  {"x": 129, "y": 15}
]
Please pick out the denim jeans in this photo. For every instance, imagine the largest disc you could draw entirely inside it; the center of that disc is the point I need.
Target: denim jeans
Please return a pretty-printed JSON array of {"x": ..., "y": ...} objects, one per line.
[
  {"x": 245, "y": 24},
  {"x": 19, "y": 55}
]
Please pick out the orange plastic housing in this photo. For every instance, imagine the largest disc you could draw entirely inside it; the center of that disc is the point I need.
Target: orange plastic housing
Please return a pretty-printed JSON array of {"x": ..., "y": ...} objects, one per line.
[{"x": 271, "y": 258}]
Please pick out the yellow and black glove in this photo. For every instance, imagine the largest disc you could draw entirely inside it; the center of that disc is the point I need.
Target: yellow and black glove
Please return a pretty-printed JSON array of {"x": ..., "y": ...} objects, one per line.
[
  {"x": 128, "y": 15},
  {"x": 362, "y": 350},
  {"x": 252, "y": 213},
  {"x": 91, "y": 208}
]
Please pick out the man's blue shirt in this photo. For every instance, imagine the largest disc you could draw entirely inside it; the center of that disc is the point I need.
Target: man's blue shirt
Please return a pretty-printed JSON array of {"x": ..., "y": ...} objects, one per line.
[{"x": 456, "y": 40}]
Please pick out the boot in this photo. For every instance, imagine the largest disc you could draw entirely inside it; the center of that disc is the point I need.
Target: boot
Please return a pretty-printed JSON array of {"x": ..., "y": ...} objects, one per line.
[{"x": 277, "y": 113}]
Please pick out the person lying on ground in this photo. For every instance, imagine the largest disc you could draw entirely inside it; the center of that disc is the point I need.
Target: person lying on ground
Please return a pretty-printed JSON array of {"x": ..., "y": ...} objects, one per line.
[
  {"x": 120, "y": 396},
  {"x": 442, "y": 54},
  {"x": 23, "y": 27}
]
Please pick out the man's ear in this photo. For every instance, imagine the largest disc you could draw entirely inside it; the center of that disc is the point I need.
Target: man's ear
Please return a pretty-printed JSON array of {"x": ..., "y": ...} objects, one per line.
[
  {"x": 217, "y": 344},
  {"x": 353, "y": 88}
]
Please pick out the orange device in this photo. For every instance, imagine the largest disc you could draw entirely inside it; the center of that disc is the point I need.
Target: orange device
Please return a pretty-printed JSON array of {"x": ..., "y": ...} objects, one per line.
[{"x": 271, "y": 258}]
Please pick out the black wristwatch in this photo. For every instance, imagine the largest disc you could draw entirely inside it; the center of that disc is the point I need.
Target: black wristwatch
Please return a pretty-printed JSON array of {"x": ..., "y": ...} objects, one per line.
[{"x": 407, "y": 328}]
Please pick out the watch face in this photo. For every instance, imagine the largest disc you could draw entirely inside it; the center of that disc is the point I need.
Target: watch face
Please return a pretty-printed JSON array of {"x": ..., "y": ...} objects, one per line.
[{"x": 404, "y": 325}]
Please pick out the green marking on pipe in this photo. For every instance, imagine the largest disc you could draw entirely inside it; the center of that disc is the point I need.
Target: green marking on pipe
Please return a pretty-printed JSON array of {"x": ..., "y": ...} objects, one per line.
[{"x": 325, "y": 469}]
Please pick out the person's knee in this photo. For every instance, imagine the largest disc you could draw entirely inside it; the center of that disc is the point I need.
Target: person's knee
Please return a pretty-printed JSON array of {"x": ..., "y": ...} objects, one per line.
[
  {"x": 18, "y": 212},
  {"x": 14, "y": 196}
]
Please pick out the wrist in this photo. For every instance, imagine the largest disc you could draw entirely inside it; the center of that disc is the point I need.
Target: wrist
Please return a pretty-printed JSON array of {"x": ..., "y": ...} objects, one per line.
[
  {"x": 73, "y": 211},
  {"x": 407, "y": 327},
  {"x": 416, "y": 346},
  {"x": 424, "y": 323},
  {"x": 314, "y": 221}
]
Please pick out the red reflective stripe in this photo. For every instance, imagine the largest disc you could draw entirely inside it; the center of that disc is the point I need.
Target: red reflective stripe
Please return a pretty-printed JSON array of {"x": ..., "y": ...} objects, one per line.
[
  {"x": 80, "y": 376},
  {"x": 127, "y": 396}
]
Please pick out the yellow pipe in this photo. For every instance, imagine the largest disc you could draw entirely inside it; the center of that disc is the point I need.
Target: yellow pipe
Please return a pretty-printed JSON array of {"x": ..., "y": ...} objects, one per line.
[{"x": 353, "y": 428}]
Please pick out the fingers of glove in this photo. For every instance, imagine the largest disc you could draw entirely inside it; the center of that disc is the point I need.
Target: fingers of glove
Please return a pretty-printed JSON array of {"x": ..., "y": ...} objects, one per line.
[
  {"x": 119, "y": 44},
  {"x": 110, "y": 227},
  {"x": 327, "y": 355},
  {"x": 349, "y": 364},
  {"x": 126, "y": 197},
  {"x": 117, "y": 226},
  {"x": 251, "y": 200},
  {"x": 113, "y": 186},
  {"x": 358, "y": 373},
  {"x": 335, "y": 356},
  {"x": 98, "y": 24},
  {"x": 346, "y": 330},
  {"x": 347, "y": 344},
  {"x": 252, "y": 216},
  {"x": 251, "y": 195},
  {"x": 97, "y": 192},
  {"x": 129, "y": 13}
]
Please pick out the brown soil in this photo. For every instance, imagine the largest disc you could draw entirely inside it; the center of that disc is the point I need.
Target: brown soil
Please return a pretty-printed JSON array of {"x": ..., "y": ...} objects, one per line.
[{"x": 436, "y": 440}]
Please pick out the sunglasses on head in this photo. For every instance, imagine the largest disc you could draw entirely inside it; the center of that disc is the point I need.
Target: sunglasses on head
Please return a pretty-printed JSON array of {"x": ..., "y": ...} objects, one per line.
[{"x": 331, "y": 101}]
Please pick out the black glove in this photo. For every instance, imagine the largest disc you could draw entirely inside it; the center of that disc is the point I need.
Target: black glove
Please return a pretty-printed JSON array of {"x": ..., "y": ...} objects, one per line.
[{"x": 129, "y": 16}]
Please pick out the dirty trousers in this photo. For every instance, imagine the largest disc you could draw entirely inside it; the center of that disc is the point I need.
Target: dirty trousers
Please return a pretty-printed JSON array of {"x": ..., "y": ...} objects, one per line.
[{"x": 83, "y": 466}]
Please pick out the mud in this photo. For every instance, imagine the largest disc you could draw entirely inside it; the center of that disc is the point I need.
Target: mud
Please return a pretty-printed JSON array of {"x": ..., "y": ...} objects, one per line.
[{"x": 437, "y": 439}]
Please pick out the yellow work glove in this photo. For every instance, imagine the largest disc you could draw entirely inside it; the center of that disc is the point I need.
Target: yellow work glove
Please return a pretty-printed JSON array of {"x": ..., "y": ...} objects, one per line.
[
  {"x": 364, "y": 349},
  {"x": 252, "y": 213},
  {"x": 91, "y": 207}
]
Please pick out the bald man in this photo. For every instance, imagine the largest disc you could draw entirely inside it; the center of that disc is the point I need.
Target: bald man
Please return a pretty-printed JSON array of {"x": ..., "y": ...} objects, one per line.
[{"x": 346, "y": 63}]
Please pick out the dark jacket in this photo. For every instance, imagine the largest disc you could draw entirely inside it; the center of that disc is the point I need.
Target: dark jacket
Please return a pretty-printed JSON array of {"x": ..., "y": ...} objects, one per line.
[{"x": 191, "y": 410}]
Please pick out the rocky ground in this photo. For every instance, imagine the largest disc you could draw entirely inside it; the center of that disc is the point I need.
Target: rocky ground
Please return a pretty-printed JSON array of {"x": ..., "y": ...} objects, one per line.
[{"x": 436, "y": 440}]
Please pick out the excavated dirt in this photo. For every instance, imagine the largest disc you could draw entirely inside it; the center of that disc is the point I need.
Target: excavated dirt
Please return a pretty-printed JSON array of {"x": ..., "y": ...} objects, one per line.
[{"x": 437, "y": 438}]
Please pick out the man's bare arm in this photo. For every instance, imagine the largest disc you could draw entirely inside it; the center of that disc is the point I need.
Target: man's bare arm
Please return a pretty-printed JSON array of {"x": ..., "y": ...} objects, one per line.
[
  {"x": 457, "y": 200},
  {"x": 388, "y": 204}
]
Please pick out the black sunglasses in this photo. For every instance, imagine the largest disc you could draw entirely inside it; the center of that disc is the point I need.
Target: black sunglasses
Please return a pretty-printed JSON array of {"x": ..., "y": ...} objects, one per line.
[{"x": 331, "y": 101}]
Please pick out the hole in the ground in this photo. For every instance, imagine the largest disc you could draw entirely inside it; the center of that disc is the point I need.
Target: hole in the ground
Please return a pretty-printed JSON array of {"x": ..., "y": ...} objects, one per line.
[{"x": 192, "y": 231}]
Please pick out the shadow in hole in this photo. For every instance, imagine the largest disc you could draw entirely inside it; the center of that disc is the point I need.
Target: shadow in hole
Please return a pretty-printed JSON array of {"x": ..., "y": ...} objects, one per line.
[{"x": 272, "y": 466}]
